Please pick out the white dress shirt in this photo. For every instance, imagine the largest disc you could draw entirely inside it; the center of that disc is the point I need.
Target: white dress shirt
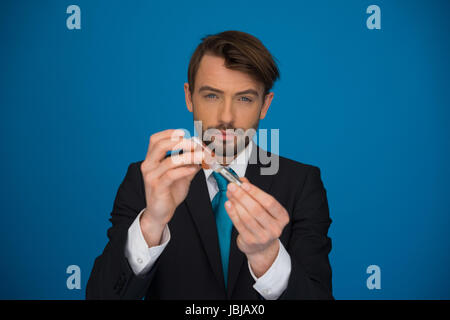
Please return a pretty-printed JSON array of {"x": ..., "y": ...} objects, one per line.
[{"x": 141, "y": 258}]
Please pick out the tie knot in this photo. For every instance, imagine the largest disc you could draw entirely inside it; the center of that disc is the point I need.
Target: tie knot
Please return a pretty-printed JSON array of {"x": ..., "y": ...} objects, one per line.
[{"x": 222, "y": 183}]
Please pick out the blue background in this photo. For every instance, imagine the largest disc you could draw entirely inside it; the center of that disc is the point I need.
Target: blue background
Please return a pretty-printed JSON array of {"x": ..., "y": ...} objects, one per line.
[{"x": 369, "y": 107}]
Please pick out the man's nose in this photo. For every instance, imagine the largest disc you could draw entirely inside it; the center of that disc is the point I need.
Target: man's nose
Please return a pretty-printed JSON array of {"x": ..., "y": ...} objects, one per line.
[{"x": 226, "y": 112}]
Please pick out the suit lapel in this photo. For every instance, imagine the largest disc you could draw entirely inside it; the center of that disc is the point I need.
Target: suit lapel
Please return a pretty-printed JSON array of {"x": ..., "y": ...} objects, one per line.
[
  {"x": 263, "y": 182},
  {"x": 200, "y": 208},
  {"x": 199, "y": 205}
]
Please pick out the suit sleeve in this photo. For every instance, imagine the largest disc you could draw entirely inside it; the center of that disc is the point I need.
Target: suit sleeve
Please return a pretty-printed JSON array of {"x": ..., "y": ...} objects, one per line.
[
  {"x": 112, "y": 276},
  {"x": 309, "y": 244}
]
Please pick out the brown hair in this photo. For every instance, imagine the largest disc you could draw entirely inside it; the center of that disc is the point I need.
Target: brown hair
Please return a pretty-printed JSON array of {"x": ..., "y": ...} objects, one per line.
[{"x": 242, "y": 52}]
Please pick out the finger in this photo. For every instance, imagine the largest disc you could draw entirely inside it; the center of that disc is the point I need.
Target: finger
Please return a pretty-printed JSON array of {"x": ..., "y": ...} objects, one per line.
[
  {"x": 176, "y": 174},
  {"x": 268, "y": 202},
  {"x": 166, "y": 134},
  {"x": 187, "y": 157},
  {"x": 160, "y": 149},
  {"x": 234, "y": 216},
  {"x": 171, "y": 134},
  {"x": 247, "y": 219},
  {"x": 251, "y": 205},
  {"x": 172, "y": 162}
]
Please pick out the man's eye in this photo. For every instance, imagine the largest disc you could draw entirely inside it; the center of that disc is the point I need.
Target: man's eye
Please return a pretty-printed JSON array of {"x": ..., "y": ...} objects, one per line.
[
  {"x": 245, "y": 99},
  {"x": 211, "y": 96}
]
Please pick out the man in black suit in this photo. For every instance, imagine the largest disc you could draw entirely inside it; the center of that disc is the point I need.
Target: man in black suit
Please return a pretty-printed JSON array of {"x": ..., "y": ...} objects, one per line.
[{"x": 180, "y": 231}]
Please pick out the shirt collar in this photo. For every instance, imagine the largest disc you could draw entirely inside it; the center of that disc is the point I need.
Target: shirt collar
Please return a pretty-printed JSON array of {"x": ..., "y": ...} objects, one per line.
[{"x": 239, "y": 164}]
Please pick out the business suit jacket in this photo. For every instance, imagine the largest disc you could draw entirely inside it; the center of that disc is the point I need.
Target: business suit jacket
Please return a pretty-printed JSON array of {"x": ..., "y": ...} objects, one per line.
[{"x": 190, "y": 266}]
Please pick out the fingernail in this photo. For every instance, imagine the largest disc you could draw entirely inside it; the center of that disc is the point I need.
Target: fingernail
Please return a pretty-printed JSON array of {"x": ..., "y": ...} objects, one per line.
[
  {"x": 232, "y": 187},
  {"x": 228, "y": 204},
  {"x": 245, "y": 186},
  {"x": 179, "y": 132}
]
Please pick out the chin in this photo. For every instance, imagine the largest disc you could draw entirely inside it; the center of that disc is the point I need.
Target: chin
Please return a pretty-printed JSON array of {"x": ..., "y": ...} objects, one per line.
[{"x": 228, "y": 149}]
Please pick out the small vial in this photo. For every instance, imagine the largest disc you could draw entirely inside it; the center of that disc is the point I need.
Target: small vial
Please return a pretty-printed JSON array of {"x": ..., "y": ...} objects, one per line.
[{"x": 216, "y": 166}]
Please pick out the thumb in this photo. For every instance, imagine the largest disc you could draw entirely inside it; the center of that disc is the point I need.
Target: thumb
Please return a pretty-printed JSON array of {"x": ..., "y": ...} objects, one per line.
[{"x": 244, "y": 179}]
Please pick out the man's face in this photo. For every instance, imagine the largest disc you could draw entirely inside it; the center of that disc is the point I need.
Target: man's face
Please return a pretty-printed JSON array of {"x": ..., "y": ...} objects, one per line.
[{"x": 228, "y": 103}]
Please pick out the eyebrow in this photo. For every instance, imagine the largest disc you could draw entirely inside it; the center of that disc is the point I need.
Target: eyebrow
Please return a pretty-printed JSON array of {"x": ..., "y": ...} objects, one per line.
[{"x": 248, "y": 91}]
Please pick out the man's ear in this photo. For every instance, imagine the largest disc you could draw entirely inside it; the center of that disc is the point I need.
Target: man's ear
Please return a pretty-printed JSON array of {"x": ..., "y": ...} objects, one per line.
[
  {"x": 267, "y": 101},
  {"x": 188, "y": 97}
]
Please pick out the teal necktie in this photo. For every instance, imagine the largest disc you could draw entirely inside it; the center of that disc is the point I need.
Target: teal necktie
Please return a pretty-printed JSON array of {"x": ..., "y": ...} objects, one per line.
[{"x": 223, "y": 222}]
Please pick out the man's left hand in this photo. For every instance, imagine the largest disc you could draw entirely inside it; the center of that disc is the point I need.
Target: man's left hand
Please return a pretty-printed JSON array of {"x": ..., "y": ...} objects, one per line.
[{"x": 259, "y": 219}]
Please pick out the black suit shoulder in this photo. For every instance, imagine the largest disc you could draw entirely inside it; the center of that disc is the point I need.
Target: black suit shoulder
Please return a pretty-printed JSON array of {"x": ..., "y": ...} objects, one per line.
[
  {"x": 294, "y": 175},
  {"x": 288, "y": 167}
]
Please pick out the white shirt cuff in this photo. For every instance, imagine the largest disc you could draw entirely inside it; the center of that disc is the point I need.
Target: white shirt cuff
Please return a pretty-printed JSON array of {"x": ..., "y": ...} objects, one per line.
[
  {"x": 140, "y": 257},
  {"x": 272, "y": 283}
]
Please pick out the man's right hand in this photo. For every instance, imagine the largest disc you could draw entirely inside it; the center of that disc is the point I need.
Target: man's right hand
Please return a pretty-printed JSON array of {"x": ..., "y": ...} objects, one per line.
[{"x": 166, "y": 180}]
